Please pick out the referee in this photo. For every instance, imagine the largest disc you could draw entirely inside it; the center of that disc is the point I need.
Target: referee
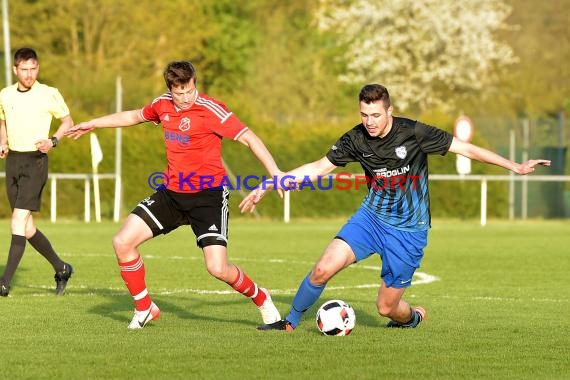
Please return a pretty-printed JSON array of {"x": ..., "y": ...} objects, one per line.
[{"x": 26, "y": 111}]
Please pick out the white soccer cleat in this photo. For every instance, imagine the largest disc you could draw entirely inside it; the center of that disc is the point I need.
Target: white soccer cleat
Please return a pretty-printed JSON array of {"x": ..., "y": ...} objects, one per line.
[
  {"x": 269, "y": 312},
  {"x": 141, "y": 318}
]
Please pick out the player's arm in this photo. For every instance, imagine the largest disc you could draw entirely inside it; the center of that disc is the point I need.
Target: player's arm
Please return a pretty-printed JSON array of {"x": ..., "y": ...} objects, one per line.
[
  {"x": 308, "y": 172},
  {"x": 311, "y": 171},
  {"x": 46, "y": 145},
  {"x": 254, "y": 143},
  {"x": 484, "y": 155},
  {"x": 66, "y": 124},
  {"x": 114, "y": 120},
  {"x": 3, "y": 139}
]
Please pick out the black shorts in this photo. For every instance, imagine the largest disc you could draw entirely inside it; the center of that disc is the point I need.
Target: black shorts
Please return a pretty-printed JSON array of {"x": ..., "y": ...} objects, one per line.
[
  {"x": 26, "y": 176},
  {"x": 207, "y": 212}
]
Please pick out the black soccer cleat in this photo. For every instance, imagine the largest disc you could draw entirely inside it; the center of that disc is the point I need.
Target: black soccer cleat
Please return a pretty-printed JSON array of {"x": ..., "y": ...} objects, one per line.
[
  {"x": 283, "y": 324},
  {"x": 61, "y": 279},
  {"x": 4, "y": 290}
]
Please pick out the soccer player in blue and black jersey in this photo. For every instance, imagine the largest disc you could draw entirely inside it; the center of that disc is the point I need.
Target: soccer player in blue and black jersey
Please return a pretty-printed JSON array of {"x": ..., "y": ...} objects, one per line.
[{"x": 394, "y": 217}]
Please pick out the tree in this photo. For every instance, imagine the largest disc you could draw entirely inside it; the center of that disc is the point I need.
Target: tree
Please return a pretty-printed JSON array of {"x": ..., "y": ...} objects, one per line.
[
  {"x": 423, "y": 51},
  {"x": 541, "y": 82},
  {"x": 291, "y": 74},
  {"x": 90, "y": 43},
  {"x": 229, "y": 49}
]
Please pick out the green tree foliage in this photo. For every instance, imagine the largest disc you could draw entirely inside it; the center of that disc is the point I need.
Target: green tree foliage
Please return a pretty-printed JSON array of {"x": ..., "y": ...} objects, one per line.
[
  {"x": 278, "y": 65},
  {"x": 225, "y": 57},
  {"x": 292, "y": 75},
  {"x": 85, "y": 45},
  {"x": 539, "y": 82}
]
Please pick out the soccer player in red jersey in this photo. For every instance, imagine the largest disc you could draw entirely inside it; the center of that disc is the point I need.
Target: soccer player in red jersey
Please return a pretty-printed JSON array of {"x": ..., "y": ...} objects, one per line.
[{"x": 193, "y": 191}]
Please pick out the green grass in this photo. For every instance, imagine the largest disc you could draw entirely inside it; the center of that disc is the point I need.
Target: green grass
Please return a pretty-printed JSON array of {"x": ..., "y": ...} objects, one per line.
[{"x": 500, "y": 308}]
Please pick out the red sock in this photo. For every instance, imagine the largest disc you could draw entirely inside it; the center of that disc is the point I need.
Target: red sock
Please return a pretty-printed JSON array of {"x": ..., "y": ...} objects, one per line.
[
  {"x": 248, "y": 288},
  {"x": 133, "y": 274}
]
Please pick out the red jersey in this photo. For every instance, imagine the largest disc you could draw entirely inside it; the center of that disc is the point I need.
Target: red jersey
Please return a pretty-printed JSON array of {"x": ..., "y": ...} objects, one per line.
[{"x": 193, "y": 141}]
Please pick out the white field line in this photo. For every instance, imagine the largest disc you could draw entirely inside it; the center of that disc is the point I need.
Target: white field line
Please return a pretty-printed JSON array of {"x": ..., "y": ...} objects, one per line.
[{"x": 420, "y": 278}]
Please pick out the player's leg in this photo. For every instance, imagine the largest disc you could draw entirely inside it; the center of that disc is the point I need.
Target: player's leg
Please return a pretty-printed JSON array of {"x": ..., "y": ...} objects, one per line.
[
  {"x": 215, "y": 257},
  {"x": 351, "y": 244},
  {"x": 16, "y": 250},
  {"x": 30, "y": 195},
  {"x": 125, "y": 243},
  {"x": 151, "y": 217},
  {"x": 26, "y": 178},
  {"x": 337, "y": 256},
  {"x": 391, "y": 305},
  {"x": 40, "y": 242},
  {"x": 209, "y": 222},
  {"x": 402, "y": 255},
  {"x": 20, "y": 167}
]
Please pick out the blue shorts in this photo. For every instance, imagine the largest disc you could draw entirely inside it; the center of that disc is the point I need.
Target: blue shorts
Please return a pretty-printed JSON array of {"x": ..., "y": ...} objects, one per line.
[{"x": 401, "y": 251}]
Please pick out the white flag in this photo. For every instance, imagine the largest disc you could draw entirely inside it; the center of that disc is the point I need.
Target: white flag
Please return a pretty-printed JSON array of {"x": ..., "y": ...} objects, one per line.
[{"x": 96, "y": 152}]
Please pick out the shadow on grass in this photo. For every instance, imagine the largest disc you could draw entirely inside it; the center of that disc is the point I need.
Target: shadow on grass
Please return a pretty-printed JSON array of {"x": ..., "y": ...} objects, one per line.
[{"x": 118, "y": 306}]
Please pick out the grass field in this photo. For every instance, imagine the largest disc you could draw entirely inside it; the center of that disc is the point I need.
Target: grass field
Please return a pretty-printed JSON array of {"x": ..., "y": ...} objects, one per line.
[{"x": 498, "y": 302}]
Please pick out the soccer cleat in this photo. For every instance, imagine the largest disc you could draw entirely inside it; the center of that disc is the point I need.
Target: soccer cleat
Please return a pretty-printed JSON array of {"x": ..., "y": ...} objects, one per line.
[
  {"x": 418, "y": 314},
  {"x": 141, "y": 318},
  {"x": 61, "y": 279},
  {"x": 269, "y": 312},
  {"x": 4, "y": 290},
  {"x": 282, "y": 324}
]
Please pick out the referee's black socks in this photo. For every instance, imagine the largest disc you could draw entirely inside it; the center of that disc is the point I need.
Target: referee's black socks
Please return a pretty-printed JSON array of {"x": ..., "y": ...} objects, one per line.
[
  {"x": 41, "y": 243},
  {"x": 17, "y": 247}
]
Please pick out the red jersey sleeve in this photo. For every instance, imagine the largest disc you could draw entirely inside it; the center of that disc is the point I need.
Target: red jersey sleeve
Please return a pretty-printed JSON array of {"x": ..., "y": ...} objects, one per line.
[
  {"x": 151, "y": 112},
  {"x": 222, "y": 121}
]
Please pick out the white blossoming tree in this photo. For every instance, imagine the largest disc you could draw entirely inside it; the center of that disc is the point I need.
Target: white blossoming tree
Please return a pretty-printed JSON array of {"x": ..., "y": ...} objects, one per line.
[{"x": 427, "y": 52}]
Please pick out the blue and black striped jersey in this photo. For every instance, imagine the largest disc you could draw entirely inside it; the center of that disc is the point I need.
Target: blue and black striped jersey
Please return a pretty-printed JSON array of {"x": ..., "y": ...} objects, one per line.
[{"x": 396, "y": 168}]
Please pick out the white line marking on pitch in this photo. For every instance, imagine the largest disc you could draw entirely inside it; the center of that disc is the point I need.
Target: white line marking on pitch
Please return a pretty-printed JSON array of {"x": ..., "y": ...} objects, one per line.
[{"x": 419, "y": 279}]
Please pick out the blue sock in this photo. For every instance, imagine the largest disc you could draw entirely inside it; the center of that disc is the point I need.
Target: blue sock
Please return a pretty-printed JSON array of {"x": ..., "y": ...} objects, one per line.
[{"x": 306, "y": 296}]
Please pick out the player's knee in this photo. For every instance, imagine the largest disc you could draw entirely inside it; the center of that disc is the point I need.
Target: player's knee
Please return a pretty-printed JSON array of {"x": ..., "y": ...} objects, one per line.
[
  {"x": 30, "y": 230},
  {"x": 320, "y": 275},
  {"x": 216, "y": 259},
  {"x": 120, "y": 245},
  {"x": 217, "y": 270},
  {"x": 18, "y": 224}
]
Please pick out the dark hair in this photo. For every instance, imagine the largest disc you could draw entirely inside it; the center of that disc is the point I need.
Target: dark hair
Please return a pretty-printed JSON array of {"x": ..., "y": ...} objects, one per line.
[
  {"x": 179, "y": 73},
  {"x": 374, "y": 93},
  {"x": 24, "y": 54}
]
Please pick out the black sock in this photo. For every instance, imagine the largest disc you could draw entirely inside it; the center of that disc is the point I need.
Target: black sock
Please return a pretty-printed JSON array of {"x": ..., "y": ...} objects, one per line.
[
  {"x": 17, "y": 247},
  {"x": 40, "y": 242},
  {"x": 415, "y": 320}
]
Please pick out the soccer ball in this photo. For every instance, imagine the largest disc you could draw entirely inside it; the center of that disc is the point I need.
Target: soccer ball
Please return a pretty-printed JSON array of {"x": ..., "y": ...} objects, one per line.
[{"x": 336, "y": 318}]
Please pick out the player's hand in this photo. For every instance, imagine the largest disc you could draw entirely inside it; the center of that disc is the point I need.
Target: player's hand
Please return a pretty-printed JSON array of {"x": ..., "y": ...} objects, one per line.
[
  {"x": 249, "y": 203},
  {"x": 79, "y": 130},
  {"x": 274, "y": 183},
  {"x": 3, "y": 150},
  {"x": 44, "y": 146},
  {"x": 528, "y": 166},
  {"x": 286, "y": 182}
]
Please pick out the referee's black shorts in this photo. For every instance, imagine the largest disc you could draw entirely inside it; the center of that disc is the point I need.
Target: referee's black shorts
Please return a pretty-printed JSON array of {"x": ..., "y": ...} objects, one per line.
[
  {"x": 206, "y": 211},
  {"x": 26, "y": 176}
]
